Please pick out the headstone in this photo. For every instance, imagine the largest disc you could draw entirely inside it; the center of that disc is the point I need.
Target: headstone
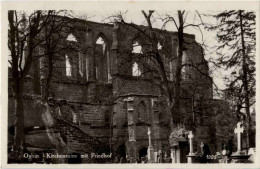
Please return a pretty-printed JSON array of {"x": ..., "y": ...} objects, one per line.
[
  {"x": 252, "y": 153},
  {"x": 239, "y": 156},
  {"x": 155, "y": 157},
  {"x": 173, "y": 155},
  {"x": 239, "y": 130}
]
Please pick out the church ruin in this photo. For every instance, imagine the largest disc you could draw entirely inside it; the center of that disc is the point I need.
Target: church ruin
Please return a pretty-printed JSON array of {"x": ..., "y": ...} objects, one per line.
[{"x": 105, "y": 101}]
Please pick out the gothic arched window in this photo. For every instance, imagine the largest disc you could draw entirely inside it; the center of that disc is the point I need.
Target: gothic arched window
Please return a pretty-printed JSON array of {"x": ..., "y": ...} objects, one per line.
[{"x": 102, "y": 61}]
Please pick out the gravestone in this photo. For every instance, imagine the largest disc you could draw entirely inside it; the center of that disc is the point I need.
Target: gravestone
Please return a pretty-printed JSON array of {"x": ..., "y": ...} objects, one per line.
[
  {"x": 252, "y": 153},
  {"x": 239, "y": 156},
  {"x": 239, "y": 130}
]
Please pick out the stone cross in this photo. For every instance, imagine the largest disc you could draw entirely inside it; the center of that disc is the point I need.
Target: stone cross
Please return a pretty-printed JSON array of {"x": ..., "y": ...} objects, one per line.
[
  {"x": 239, "y": 130},
  {"x": 191, "y": 136}
]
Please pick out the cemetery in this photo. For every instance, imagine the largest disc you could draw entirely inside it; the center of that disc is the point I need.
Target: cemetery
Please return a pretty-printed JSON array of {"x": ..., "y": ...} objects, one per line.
[{"x": 105, "y": 97}]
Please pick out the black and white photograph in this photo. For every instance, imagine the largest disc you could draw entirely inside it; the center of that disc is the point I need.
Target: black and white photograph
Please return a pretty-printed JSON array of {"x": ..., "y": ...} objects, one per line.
[{"x": 130, "y": 86}]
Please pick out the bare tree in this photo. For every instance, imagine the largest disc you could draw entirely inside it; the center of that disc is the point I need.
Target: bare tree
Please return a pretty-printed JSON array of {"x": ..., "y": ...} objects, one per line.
[
  {"x": 153, "y": 54},
  {"x": 25, "y": 36}
]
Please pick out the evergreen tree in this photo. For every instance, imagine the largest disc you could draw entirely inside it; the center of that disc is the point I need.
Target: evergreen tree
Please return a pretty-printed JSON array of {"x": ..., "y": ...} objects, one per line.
[{"x": 236, "y": 50}]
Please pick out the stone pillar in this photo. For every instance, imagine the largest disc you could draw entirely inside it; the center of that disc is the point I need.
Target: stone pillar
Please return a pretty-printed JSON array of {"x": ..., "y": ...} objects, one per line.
[
  {"x": 85, "y": 66},
  {"x": 191, "y": 156},
  {"x": 131, "y": 126},
  {"x": 155, "y": 157},
  {"x": 150, "y": 149},
  {"x": 90, "y": 56},
  {"x": 117, "y": 81},
  {"x": 149, "y": 136},
  {"x": 109, "y": 77},
  {"x": 114, "y": 50},
  {"x": 178, "y": 155}
]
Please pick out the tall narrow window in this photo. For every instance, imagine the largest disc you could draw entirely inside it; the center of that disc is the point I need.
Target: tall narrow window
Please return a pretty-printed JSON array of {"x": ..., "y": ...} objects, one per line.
[
  {"x": 109, "y": 77},
  {"x": 68, "y": 66},
  {"x": 136, "y": 70},
  {"x": 102, "y": 61},
  {"x": 101, "y": 42},
  {"x": 98, "y": 56},
  {"x": 81, "y": 64}
]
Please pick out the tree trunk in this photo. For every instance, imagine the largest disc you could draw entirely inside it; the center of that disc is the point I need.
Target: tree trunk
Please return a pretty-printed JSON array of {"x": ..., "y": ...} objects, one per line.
[
  {"x": 159, "y": 60},
  {"x": 17, "y": 85},
  {"x": 245, "y": 81},
  {"x": 177, "y": 87},
  {"x": 19, "y": 118},
  {"x": 48, "y": 78}
]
